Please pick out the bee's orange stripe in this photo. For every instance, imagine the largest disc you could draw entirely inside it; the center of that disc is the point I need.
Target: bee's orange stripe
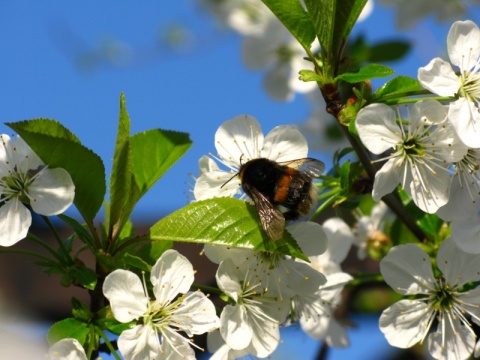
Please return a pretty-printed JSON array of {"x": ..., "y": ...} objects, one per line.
[{"x": 283, "y": 184}]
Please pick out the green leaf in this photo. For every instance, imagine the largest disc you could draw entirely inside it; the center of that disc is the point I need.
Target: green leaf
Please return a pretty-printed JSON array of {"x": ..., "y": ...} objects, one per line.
[
  {"x": 154, "y": 152},
  {"x": 396, "y": 88},
  {"x": 368, "y": 72},
  {"x": 222, "y": 221},
  {"x": 292, "y": 14},
  {"x": 333, "y": 21},
  {"x": 84, "y": 166},
  {"x": 322, "y": 15},
  {"x": 67, "y": 328},
  {"x": 121, "y": 176},
  {"x": 48, "y": 127},
  {"x": 346, "y": 16}
]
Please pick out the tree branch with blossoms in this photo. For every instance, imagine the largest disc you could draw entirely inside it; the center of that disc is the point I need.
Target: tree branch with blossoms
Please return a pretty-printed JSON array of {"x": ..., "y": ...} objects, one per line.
[{"x": 408, "y": 182}]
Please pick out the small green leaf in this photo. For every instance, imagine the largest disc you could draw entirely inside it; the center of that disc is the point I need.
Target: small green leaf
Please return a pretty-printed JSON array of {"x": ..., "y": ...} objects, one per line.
[
  {"x": 81, "y": 311},
  {"x": 292, "y": 14},
  {"x": 154, "y": 152},
  {"x": 322, "y": 15},
  {"x": 67, "y": 328},
  {"x": 121, "y": 176},
  {"x": 84, "y": 166},
  {"x": 333, "y": 21},
  {"x": 222, "y": 221},
  {"x": 84, "y": 276},
  {"x": 80, "y": 230},
  {"x": 368, "y": 72},
  {"x": 397, "y": 87},
  {"x": 309, "y": 75},
  {"x": 137, "y": 262}
]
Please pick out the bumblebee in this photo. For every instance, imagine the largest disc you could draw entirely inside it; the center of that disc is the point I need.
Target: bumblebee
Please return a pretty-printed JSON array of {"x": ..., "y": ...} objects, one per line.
[{"x": 280, "y": 190}]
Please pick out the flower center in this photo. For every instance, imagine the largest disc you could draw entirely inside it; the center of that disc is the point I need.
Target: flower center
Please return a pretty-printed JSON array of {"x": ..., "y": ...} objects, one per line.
[
  {"x": 16, "y": 185},
  {"x": 412, "y": 147}
]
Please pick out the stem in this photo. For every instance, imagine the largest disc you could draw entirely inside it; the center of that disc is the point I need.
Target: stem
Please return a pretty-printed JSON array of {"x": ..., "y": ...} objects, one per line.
[
  {"x": 323, "y": 352},
  {"x": 108, "y": 343},
  {"x": 53, "y": 229}
]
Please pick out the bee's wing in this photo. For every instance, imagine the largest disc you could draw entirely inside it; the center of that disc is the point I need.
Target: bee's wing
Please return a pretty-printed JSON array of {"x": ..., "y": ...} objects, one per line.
[
  {"x": 312, "y": 167},
  {"x": 272, "y": 220}
]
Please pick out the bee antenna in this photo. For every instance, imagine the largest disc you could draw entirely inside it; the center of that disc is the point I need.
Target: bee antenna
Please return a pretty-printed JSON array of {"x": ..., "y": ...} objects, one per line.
[{"x": 226, "y": 182}]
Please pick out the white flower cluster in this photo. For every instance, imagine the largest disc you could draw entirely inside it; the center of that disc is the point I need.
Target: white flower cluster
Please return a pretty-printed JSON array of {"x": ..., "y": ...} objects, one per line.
[{"x": 434, "y": 151}]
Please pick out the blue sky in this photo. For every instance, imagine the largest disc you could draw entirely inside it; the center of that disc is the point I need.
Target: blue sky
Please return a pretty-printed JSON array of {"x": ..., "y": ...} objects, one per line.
[{"x": 192, "y": 90}]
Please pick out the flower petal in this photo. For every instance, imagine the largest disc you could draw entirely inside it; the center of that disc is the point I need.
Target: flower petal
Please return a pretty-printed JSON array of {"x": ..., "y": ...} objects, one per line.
[
  {"x": 234, "y": 327},
  {"x": 439, "y": 77},
  {"x": 125, "y": 292},
  {"x": 403, "y": 323},
  {"x": 465, "y": 118},
  {"x": 67, "y": 349},
  {"x": 452, "y": 340},
  {"x": 386, "y": 179},
  {"x": 285, "y": 143},
  {"x": 407, "y": 269},
  {"x": 457, "y": 266},
  {"x": 377, "y": 128},
  {"x": 139, "y": 343},
  {"x": 196, "y": 314},
  {"x": 239, "y": 140},
  {"x": 15, "y": 220},
  {"x": 463, "y": 43},
  {"x": 214, "y": 184},
  {"x": 52, "y": 192},
  {"x": 310, "y": 236},
  {"x": 171, "y": 275},
  {"x": 228, "y": 278}
]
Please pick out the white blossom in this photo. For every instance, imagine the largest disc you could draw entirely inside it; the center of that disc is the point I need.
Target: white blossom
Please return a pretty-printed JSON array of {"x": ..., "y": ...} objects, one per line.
[
  {"x": 174, "y": 309},
  {"x": 24, "y": 179},
  {"x": 440, "y": 313},
  {"x": 422, "y": 147},
  {"x": 440, "y": 77}
]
